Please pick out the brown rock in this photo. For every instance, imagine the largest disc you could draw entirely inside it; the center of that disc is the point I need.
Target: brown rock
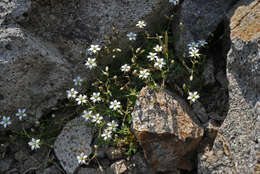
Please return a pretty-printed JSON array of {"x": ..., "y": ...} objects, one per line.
[
  {"x": 245, "y": 23},
  {"x": 118, "y": 167},
  {"x": 166, "y": 129}
]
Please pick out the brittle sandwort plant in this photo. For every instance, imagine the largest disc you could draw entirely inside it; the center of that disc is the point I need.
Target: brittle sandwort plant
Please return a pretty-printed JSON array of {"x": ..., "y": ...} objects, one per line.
[{"x": 108, "y": 104}]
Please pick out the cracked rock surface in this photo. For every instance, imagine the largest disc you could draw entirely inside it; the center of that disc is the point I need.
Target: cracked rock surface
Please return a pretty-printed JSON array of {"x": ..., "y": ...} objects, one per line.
[{"x": 167, "y": 129}]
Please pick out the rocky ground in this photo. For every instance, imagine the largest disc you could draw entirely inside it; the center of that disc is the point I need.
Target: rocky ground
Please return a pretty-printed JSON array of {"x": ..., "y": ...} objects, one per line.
[{"x": 42, "y": 47}]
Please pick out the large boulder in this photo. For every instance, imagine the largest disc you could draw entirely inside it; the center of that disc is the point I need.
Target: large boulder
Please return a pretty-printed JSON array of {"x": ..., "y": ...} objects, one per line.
[
  {"x": 167, "y": 130},
  {"x": 196, "y": 20},
  {"x": 237, "y": 143},
  {"x": 43, "y": 44},
  {"x": 34, "y": 74}
]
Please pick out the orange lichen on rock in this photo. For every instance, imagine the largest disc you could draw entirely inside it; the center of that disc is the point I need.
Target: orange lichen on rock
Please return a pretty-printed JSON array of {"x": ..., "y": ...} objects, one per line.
[{"x": 245, "y": 23}]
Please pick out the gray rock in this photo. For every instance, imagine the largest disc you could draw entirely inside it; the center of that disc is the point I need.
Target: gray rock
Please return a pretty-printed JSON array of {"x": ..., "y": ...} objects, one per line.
[
  {"x": 49, "y": 170},
  {"x": 234, "y": 149},
  {"x": 221, "y": 78},
  {"x": 208, "y": 73},
  {"x": 14, "y": 11},
  {"x": 33, "y": 73},
  {"x": 89, "y": 171},
  {"x": 74, "y": 139},
  {"x": 200, "y": 112},
  {"x": 138, "y": 165},
  {"x": 215, "y": 116},
  {"x": 197, "y": 19},
  {"x": 5, "y": 164},
  {"x": 166, "y": 128}
]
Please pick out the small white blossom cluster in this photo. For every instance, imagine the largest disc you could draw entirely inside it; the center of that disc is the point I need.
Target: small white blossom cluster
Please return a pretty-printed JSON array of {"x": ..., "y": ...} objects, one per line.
[
  {"x": 132, "y": 36},
  {"x": 21, "y": 113},
  {"x": 73, "y": 94},
  {"x": 159, "y": 63},
  {"x": 6, "y": 120},
  {"x": 175, "y": 2},
  {"x": 194, "y": 48},
  {"x": 93, "y": 50},
  {"x": 98, "y": 119}
]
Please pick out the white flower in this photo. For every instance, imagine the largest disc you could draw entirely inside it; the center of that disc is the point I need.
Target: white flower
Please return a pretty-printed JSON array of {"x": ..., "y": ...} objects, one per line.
[
  {"x": 81, "y": 99},
  {"x": 88, "y": 52},
  {"x": 35, "y": 144},
  {"x": 159, "y": 63},
  {"x": 175, "y": 2},
  {"x": 95, "y": 97},
  {"x": 202, "y": 43},
  {"x": 194, "y": 52},
  {"x": 106, "y": 135},
  {"x": 97, "y": 119},
  {"x": 71, "y": 93},
  {"x": 131, "y": 36},
  {"x": 152, "y": 56},
  {"x": 94, "y": 48},
  {"x": 77, "y": 81},
  {"x": 193, "y": 96},
  {"x": 158, "y": 48},
  {"x": 141, "y": 24},
  {"x": 87, "y": 115},
  {"x": 114, "y": 105},
  {"x": 144, "y": 74},
  {"x": 6, "y": 121},
  {"x": 91, "y": 63},
  {"x": 21, "y": 113},
  {"x": 125, "y": 68},
  {"x": 112, "y": 125},
  {"x": 193, "y": 45},
  {"x": 82, "y": 158}
]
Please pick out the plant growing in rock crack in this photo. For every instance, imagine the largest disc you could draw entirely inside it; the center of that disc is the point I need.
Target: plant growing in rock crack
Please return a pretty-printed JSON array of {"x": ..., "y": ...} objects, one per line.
[{"x": 109, "y": 103}]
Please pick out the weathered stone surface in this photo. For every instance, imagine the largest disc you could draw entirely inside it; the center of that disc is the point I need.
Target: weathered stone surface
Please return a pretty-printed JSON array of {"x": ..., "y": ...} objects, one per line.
[
  {"x": 49, "y": 170},
  {"x": 200, "y": 112},
  {"x": 33, "y": 73},
  {"x": 208, "y": 73},
  {"x": 118, "y": 167},
  {"x": 14, "y": 11},
  {"x": 89, "y": 171},
  {"x": 234, "y": 149},
  {"x": 197, "y": 19},
  {"x": 40, "y": 56},
  {"x": 138, "y": 165},
  {"x": 74, "y": 139},
  {"x": 166, "y": 129}
]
